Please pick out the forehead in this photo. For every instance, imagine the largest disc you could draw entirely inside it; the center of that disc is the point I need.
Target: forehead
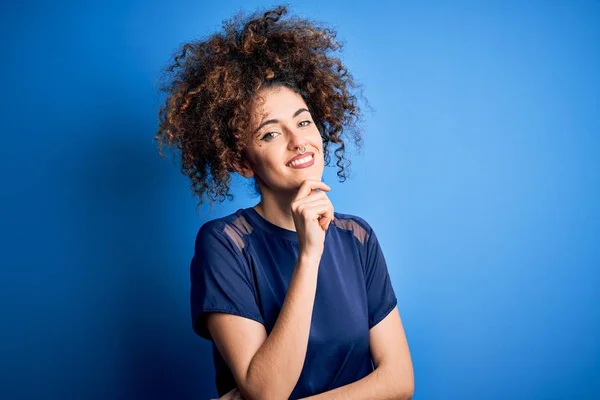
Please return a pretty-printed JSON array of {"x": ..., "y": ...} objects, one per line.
[{"x": 276, "y": 103}]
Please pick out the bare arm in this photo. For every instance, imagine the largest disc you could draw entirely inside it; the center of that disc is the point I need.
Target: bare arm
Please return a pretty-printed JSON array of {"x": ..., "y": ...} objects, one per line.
[{"x": 269, "y": 367}]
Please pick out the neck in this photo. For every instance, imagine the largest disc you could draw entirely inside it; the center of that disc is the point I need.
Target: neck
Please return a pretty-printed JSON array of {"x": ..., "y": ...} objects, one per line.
[{"x": 277, "y": 210}]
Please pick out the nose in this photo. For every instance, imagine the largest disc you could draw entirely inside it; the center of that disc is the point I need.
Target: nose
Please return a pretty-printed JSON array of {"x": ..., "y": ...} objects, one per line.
[{"x": 296, "y": 139}]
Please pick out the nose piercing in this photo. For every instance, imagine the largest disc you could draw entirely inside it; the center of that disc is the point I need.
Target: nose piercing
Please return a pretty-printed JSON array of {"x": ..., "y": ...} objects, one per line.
[{"x": 303, "y": 149}]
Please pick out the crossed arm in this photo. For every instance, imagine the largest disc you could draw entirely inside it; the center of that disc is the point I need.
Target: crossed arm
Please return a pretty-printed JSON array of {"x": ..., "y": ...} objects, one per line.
[
  {"x": 269, "y": 367},
  {"x": 393, "y": 377}
]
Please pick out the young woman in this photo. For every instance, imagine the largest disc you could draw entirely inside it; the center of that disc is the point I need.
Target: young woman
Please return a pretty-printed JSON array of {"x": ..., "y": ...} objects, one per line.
[{"x": 295, "y": 297}]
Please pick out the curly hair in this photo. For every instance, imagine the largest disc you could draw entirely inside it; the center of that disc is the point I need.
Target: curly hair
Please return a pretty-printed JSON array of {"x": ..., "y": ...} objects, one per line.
[{"x": 212, "y": 84}]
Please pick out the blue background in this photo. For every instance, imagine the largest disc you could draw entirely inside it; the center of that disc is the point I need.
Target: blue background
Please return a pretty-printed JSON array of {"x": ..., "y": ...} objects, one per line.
[{"x": 480, "y": 173}]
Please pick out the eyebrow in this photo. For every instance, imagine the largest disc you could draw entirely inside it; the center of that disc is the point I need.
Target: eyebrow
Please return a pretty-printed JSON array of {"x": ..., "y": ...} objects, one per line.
[{"x": 274, "y": 121}]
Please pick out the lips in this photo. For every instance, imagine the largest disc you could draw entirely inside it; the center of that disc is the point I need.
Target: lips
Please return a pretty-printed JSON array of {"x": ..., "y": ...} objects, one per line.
[{"x": 300, "y": 156}]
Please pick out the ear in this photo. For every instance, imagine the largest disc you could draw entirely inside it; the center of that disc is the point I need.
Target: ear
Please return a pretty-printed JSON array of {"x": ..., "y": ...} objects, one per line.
[{"x": 242, "y": 168}]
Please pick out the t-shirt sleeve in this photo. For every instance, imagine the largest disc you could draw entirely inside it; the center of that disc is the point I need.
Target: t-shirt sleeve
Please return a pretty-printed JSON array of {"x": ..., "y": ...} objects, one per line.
[
  {"x": 380, "y": 293},
  {"x": 221, "y": 280}
]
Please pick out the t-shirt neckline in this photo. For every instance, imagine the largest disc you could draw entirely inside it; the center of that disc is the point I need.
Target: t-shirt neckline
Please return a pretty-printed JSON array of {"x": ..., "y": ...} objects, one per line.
[{"x": 269, "y": 227}]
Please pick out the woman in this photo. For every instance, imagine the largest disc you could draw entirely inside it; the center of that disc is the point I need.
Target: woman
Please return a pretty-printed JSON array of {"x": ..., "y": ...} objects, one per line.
[{"x": 295, "y": 297}]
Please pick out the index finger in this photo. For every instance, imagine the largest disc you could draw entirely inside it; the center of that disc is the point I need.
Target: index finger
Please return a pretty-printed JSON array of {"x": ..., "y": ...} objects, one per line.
[{"x": 308, "y": 186}]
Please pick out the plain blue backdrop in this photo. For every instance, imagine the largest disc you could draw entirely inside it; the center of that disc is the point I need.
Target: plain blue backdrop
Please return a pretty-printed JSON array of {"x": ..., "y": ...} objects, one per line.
[{"x": 480, "y": 173}]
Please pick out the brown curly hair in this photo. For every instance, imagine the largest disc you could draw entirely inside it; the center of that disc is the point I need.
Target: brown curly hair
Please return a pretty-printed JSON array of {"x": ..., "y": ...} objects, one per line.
[{"x": 212, "y": 84}]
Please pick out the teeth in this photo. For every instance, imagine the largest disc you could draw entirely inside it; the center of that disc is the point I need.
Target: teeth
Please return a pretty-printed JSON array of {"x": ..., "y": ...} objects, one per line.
[{"x": 300, "y": 161}]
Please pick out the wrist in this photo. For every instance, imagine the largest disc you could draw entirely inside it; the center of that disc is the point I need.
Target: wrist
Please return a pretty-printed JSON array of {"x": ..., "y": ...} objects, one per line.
[{"x": 312, "y": 258}]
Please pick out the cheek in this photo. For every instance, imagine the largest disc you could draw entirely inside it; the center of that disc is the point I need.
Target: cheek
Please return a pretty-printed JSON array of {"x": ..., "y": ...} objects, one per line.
[
  {"x": 268, "y": 162},
  {"x": 318, "y": 139},
  {"x": 318, "y": 142}
]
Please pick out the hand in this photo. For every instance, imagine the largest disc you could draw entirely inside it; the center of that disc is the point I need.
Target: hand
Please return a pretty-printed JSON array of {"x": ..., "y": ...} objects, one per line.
[
  {"x": 231, "y": 395},
  {"x": 312, "y": 212}
]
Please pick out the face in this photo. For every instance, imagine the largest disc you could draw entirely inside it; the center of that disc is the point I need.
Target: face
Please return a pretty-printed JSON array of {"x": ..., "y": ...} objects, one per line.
[{"x": 280, "y": 126}]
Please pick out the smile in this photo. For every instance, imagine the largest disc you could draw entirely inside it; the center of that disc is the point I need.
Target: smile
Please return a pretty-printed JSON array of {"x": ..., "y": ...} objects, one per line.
[{"x": 302, "y": 162}]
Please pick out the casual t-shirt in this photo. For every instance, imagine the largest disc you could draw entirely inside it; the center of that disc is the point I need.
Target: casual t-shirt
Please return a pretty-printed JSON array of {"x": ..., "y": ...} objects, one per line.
[{"x": 243, "y": 264}]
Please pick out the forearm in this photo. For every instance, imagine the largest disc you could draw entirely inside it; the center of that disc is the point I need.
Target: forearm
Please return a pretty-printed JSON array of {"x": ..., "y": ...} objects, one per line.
[
  {"x": 382, "y": 383},
  {"x": 276, "y": 366}
]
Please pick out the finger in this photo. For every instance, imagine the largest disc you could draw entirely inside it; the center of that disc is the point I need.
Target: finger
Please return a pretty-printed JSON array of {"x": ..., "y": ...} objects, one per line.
[
  {"x": 308, "y": 186},
  {"x": 323, "y": 216},
  {"x": 311, "y": 198},
  {"x": 315, "y": 210},
  {"x": 325, "y": 220},
  {"x": 330, "y": 216}
]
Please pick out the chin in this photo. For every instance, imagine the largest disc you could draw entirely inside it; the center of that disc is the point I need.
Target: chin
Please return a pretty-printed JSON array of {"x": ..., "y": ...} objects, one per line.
[{"x": 312, "y": 176}]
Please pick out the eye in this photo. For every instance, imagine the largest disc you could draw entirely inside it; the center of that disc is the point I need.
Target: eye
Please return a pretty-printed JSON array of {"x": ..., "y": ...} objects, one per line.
[
  {"x": 267, "y": 137},
  {"x": 307, "y": 123}
]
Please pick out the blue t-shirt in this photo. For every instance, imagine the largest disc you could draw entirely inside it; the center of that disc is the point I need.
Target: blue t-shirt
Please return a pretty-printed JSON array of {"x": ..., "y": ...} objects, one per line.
[{"x": 243, "y": 265}]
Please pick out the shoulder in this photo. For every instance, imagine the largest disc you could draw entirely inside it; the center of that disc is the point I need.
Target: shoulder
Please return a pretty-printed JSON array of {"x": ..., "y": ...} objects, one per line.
[
  {"x": 233, "y": 228},
  {"x": 360, "y": 228}
]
